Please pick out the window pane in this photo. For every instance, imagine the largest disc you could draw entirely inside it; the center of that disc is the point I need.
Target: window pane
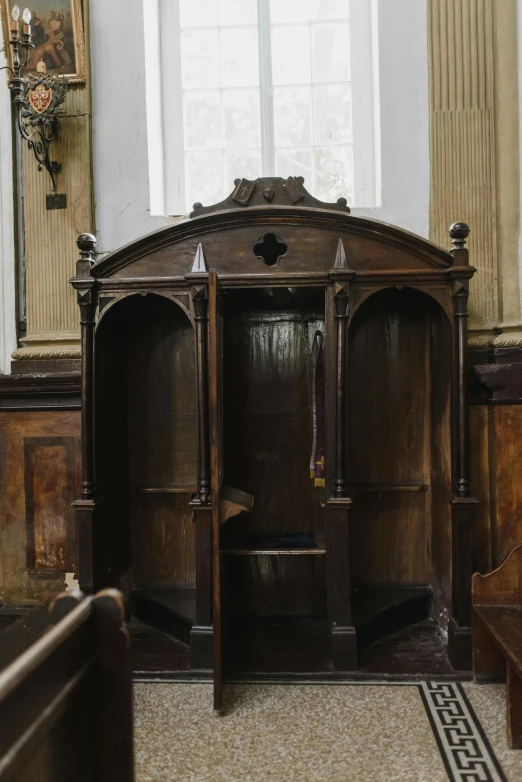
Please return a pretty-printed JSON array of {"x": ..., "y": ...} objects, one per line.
[
  {"x": 291, "y": 55},
  {"x": 295, "y": 162},
  {"x": 331, "y": 52},
  {"x": 241, "y": 163},
  {"x": 292, "y": 116},
  {"x": 241, "y": 118},
  {"x": 334, "y": 173},
  {"x": 237, "y": 12},
  {"x": 202, "y": 119},
  {"x": 332, "y": 114},
  {"x": 239, "y": 58},
  {"x": 289, "y": 11},
  {"x": 200, "y": 59},
  {"x": 329, "y": 9},
  {"x": 203, "y": 177},
  {"x": 198, "y": 13}
]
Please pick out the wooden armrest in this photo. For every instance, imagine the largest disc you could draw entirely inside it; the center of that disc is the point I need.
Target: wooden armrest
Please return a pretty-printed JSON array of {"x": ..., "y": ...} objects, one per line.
[{"x": 503, "y": 586}]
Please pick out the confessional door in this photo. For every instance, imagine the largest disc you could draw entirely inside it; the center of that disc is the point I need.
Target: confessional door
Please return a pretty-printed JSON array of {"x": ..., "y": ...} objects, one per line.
[{"x": 215, "y": 346}]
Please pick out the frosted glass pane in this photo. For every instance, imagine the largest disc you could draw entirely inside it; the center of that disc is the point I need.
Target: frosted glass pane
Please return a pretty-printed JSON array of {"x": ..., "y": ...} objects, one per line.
[
  {"x": 239, "y": 58},
  {"x": 241, "y": 118},
  {"x": 203, "y": 178},
  {"x": 331, "y": 52},
  {"x": 200, "y": 59},
  {"x": 202, "y": 119},
  {"x": 289, "y": 11},
  {"x": 295, "y": 162},
  {"x": 291, "y": 55},
  {"x": 334, "y": 173},
  {"x": 241, "y": 163},
  {"x": 332, "y": 114},
  {"x": 292, "y": 116},
  {"x": 329, "y": 9},
  {"x": 198, "y": 13},
  {"x": 237, "y": 12}
]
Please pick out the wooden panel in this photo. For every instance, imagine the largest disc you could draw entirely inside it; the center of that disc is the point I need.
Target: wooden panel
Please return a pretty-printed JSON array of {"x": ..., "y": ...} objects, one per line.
[
  {"x": 268, "y": 430},
  {"x": 39, "y": 430},
  {"x": 49, "y": 494},
  {"x": 508, "y": 478},
  {"x": 312, "y": 248},
  {"x": 480, "y": 477},
  {"x": 390, "y": 539},
  {"x": 161, "y": 396},
  {"x": 389, "y": 436},
  {"x": 163, "y": 540}
]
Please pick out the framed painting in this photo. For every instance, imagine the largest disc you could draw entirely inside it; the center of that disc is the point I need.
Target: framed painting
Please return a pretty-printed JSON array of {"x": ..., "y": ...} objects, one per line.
[{"x": 57, "y": 34}]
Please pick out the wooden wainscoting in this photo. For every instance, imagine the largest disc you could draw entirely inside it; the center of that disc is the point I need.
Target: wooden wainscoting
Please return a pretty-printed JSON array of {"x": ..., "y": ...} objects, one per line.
[{"x": 39, "y": 479}]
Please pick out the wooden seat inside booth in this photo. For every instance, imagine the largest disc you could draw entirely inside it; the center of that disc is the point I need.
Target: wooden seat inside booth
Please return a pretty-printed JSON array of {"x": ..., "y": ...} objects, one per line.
[
  {"x": 66, "y": 702},
  {"x": 497, "y": 635}
]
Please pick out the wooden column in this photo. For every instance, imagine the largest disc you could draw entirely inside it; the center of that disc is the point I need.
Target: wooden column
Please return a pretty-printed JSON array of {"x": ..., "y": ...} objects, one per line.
[
  {"x": 200, "y": 299},
  {"x": 201, "y": 636},
  {"x": 344, "y": 642},
  {"x": 459, "y": 640},
  {"x": 83, "y": 284},
  {"x": 341, "y": 321}
]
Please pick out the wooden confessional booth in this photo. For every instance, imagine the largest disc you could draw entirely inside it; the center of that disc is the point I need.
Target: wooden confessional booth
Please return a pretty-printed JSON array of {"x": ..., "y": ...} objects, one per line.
[{"x": 274, "y": 427}]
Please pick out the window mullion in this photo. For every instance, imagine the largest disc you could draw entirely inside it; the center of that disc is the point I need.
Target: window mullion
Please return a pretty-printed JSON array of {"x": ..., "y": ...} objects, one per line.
[{"x": 265, "y": 87}]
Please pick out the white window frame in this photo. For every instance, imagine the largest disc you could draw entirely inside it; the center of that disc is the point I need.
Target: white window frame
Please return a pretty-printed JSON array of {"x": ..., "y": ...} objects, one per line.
[{"x": 164, "y": 104}]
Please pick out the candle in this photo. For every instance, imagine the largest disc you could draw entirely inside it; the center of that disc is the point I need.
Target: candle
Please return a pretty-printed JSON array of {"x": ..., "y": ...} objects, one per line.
[
  {"x": 26, "y": 16},
  {"x": 15, "y": 13}
]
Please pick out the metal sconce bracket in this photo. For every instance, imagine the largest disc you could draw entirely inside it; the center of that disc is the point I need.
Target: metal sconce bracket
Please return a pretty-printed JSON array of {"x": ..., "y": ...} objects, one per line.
[{"x": 37, "y": 100}]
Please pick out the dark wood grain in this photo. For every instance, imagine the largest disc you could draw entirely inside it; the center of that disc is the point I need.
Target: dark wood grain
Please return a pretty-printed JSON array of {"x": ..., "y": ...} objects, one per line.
[
  {"x": 497, "y": 635},
  {"x": 66, "y": 702},
  {"x": 395, "y": 508}
]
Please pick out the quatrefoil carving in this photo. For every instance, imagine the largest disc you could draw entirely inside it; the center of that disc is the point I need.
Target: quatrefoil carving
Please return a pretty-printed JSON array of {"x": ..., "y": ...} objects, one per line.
[{"x": 270, "y": 248}]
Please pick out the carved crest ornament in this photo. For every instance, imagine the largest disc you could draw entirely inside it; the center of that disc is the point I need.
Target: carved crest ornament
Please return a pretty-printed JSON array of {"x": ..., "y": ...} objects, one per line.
[{"x": 269, "y": 190}]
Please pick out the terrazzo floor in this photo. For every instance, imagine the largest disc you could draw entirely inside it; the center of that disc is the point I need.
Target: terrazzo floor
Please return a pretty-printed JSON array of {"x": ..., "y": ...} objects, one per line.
[{"x": 322, "y": 733}]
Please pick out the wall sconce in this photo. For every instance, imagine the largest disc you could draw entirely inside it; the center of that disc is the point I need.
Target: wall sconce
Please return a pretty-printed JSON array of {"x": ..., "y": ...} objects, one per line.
[{"x": 37, "y": 100}]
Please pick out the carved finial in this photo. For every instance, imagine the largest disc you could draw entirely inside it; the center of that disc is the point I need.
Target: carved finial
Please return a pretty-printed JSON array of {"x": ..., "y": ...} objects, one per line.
[
  {"x": 340, "y": 258},
  {"x": 199, "y": 266},
  {"x": 459, "y": 232},
  {"x": 86, "y": 244}
]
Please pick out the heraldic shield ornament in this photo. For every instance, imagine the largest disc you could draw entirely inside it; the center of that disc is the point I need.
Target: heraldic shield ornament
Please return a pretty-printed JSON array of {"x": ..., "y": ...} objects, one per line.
[{"x": 40, "y": 98}]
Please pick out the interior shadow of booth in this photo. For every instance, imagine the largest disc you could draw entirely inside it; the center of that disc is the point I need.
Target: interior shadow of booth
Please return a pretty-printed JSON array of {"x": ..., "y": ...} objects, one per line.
[
  {"x": 399, "y": 451},
  {"x": 146, "y": 444}
]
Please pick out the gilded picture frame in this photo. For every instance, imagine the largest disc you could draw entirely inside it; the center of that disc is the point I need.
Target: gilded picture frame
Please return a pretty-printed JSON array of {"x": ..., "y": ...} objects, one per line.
[{"x": 57, "y": 31}]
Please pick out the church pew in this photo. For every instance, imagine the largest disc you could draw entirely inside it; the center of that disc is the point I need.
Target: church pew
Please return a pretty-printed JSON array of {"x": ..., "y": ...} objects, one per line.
[
  {"x": 66, "y": 702},
  {"x": 497, "y": 635}
]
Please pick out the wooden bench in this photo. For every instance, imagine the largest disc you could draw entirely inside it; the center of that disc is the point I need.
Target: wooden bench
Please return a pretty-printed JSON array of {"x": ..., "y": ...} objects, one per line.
[
  {"x": 66, "y": 702},
  {"x": 497, "y": 635}
]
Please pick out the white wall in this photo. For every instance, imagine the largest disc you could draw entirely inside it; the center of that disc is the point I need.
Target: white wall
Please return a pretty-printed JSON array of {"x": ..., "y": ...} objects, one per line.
[
  {"x": 121, "y": 179},
  {"x": 120, "y": 159},
  {"x": 404, "y": 115},
  {"x": 7, "y": 251}
]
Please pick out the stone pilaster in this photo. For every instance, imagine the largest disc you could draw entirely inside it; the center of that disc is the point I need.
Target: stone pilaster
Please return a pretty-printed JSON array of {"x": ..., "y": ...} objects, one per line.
[
  {"x": 53, "y": 329},
  {"x": 475, "y": 151}
]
